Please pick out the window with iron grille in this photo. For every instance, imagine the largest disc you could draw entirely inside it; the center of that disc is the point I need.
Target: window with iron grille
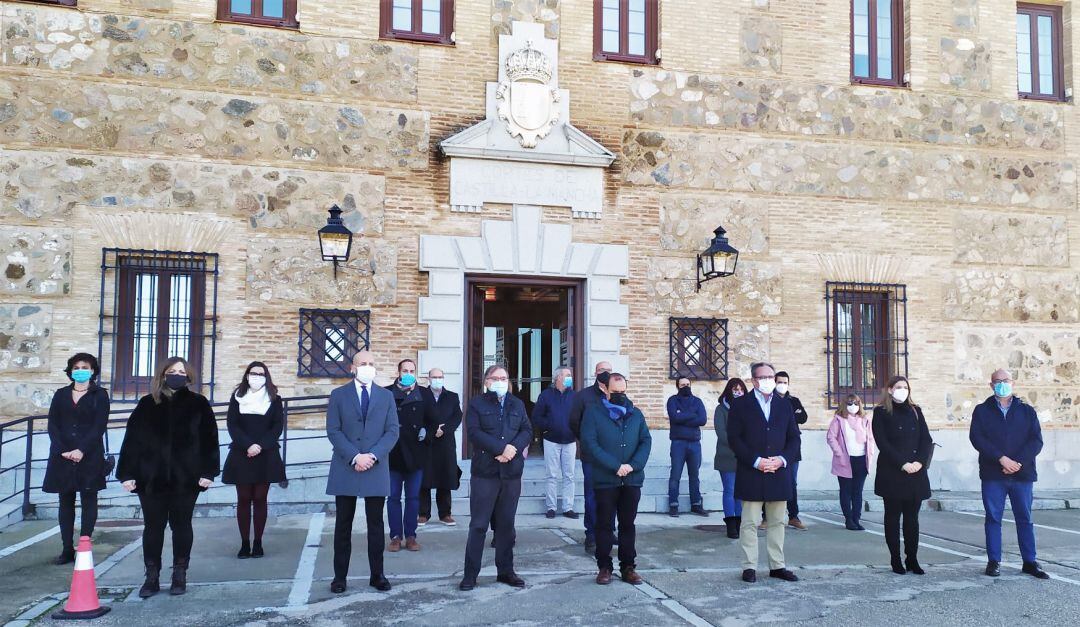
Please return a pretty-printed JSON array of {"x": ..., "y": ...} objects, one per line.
[
  {"x": 877, "y": 42},
  {"x": 430, "y": 21},
  {"x": 626, "y": 30},
  {"x": 328, "y": 340},
  {"x": 866, "y": 338},
  {"x": 281, "y": 13},
  {"x": 698, "y": 348},
  {"x": 156, "y": 305},
  {"x": 1039, "y": 73}
]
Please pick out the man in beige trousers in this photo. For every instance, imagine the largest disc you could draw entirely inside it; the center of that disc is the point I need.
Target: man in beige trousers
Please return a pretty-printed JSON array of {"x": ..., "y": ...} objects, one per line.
[{"x": 764, "y": 434}]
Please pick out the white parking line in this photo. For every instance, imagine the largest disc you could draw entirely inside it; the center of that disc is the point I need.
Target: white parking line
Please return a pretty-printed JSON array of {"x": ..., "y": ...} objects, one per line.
[
  {"x": 305, "y": 569},
  {"x": 1009, "y": 520},
  {"x": 945, "y": 550},
  {"x": 44, "y": 535}
]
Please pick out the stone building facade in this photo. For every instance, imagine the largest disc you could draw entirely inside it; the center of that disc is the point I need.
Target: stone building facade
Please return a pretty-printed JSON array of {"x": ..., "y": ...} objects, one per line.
[{"x": 149, "y": 125}]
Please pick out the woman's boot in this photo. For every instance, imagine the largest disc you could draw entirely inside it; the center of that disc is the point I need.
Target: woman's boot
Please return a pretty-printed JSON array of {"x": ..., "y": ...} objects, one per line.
[
  {"x": 732, "y": 530},
  {"x": 151, "y": 585},
  {"x": 179, "y": 576}
]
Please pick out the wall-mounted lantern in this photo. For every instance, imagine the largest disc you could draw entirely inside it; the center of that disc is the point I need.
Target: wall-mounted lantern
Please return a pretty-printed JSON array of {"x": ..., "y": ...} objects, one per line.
[
  {"x": 718, "y": 260},
  {"x": 335, "y": 239}
]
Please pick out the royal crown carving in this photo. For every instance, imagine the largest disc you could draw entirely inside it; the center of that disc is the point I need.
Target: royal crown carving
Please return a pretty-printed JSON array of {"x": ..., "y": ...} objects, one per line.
[{"x": 528, "y": 64}]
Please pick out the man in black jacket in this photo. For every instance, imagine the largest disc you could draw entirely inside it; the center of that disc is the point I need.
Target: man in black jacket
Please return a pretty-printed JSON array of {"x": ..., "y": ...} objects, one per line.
[
  {"x": 783, "y": 381},
  {"x": 1006, "y": 432},
  {"x": 582, "y": 400},
  {"x": 417, "y": 425},
  {"x": 498, "y": 427}
]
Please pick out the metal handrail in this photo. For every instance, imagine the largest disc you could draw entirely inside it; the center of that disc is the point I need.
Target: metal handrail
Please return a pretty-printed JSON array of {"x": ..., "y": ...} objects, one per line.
[{"x": 292, "y": 406}]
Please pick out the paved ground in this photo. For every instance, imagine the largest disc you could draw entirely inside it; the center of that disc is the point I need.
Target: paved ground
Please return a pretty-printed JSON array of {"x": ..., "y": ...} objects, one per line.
[{"x": 691, "y": 575}]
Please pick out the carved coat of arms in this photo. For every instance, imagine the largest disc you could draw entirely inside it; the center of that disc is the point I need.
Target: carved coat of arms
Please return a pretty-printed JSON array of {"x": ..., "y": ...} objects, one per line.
[{"x": 527, "y": 103}]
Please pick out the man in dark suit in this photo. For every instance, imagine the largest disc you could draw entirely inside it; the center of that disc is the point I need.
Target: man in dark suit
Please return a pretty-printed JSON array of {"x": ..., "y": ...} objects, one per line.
[
  {"x": 498, "y": 427},
  {"x": 578, "y": 405},
  {"x": 764, "y": 435},
  {"x": 442, "y": 473},
  {"x": 362, "y": 425}
]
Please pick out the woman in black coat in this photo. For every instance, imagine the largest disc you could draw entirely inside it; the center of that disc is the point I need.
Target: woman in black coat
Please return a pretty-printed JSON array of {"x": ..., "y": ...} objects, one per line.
[
  {"x": 904, "y": 448},
  {"x": 442, "y": 473},
  {"x": 255, "y": 422},
  {"x": 78, "y": 416},
  {"x": 169, "y": 455}
]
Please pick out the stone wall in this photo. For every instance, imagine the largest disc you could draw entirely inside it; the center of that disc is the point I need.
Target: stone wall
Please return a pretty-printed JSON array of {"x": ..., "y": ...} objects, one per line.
[{"x": 144, "y": 123}]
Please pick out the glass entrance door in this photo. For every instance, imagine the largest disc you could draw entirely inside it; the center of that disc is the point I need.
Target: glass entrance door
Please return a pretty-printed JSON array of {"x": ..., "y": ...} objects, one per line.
[{"x": 530, "y": 328}]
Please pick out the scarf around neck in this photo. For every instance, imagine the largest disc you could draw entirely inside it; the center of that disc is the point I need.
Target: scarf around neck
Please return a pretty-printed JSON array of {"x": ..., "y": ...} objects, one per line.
[
  {"x": 615, "y": 412},
  {"x": 254, "y": 402},
  {"x": 858, "y": 425}
]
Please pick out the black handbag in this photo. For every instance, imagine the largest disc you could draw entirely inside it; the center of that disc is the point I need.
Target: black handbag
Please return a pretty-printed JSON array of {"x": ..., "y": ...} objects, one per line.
[{"x": 110, "y": 460}]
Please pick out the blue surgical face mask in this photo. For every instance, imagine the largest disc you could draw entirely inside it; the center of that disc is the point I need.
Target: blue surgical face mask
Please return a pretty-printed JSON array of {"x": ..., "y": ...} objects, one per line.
[
  {"x": 1003, "y": 389},
  {"x": 436, "y": 383},
  {"x": 408, "y": 379},
  {"x": 81, "y": 376},
  {"x": 568, "y": 382}
]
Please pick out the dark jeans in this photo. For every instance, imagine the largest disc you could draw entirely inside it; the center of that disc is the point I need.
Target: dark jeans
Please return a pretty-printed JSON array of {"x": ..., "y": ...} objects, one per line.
[
  {"x": 492, "y": 503},
  {"x": 443, "y": 499},
  {"x": 88, "y": 499},
  {"x": 376, "y": 536},
  {"x": 684, "y": 453},
  {"x": 793, "y": 502},
  {"x": 404, "y": 525},
  {"x": 851, "y": 490},
  {"x": 909, "y": 509},
  {"x": 174, "y": 510},
  {"x": 1021, "y": 494},
  {"x": 623, "y": 503}
]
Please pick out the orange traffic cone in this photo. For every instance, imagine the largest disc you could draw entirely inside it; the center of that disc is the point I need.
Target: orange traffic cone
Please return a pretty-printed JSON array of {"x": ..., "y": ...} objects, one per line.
[{"x": 83, "y": 600}]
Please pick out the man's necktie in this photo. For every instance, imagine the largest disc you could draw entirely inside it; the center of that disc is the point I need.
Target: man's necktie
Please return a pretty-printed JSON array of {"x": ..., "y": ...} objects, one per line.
[{"x": 363, "y": 401}]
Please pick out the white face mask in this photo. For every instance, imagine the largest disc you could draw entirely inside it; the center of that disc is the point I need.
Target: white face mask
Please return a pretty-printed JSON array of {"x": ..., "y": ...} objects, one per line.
[
  {"x": 499, "y": 387},
  {"x": 256, "y": 381},
  {"x": 436, "y": 384},
  {"x": 781, "y": 388},
  {"x": 365, "y": 374},
  {"x": 900, "y": 395},
  {"x": 766, "y": 386},
  {"x": 852, "y": 409}
]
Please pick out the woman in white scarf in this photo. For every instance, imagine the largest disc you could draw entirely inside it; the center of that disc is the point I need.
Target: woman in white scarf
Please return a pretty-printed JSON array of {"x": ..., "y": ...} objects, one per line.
[{"x": 255, "y": 422}]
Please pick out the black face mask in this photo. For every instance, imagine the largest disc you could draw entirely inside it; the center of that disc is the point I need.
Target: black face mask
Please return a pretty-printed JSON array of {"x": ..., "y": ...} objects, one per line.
[
  {"x": 618, "y": 398},
  {"x": 176, "y": 381},
  {"x": 603, "y": 378},
  {"x": 684, "y": 391}
]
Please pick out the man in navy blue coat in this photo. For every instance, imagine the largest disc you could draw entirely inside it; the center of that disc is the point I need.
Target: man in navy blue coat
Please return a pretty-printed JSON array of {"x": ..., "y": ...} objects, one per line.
[
  {"x": 764, "y": 434},
  {"x": 1005, "y": 430}
]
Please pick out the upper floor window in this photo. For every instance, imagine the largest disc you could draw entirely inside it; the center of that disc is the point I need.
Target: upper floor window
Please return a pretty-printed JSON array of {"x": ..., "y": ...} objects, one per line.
[
  {"x": 866, "y": 338},
  {"x": 418, "y": 20},
  {"x": 159, "y": 304},
  {"x": 260, "y": 12},
  {"x": 877, "y": 42},
  {"x": 1038, "y": 52},
  {"x": 626, "y": 30}
]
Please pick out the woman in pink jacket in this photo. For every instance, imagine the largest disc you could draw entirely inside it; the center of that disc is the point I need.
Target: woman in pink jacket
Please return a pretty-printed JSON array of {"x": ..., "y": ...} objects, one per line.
[{"x": 852, "y": 444}]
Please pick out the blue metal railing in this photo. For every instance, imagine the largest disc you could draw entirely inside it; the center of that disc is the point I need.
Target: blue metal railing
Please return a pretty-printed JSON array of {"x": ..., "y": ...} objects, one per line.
[{"x": 25, "y": 428}]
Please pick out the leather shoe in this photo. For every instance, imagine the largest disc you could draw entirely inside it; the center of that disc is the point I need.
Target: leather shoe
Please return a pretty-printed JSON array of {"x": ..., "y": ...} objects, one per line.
[
  {"x": 673, "y": 511},
  {"x": 448, "y": 521},
  {"x": 783, "y": 573},
  {"x": 797, "y": 524},
  {"x": 631, "y": 577},
  {"x": 590, "y": 546},
  {"x": 604, "y": 576},
  {"x": 550, "y": 513},
  {"x": 394, "y": 546},
  {"x": 993, "y": 569},
  {"x": 511, "y": 580},
  {"x": 749, "y": 575},
  {"x": 411, "y": 544},
  {"x": 570, "y": 514},
  {"x": 380, "y": 583},
  {"x": 66, "y": 556},
  {"x": 337, "y": 586},
  {"x": 1032, "y": 568},
  {"x": 699, "y": 510},
  {"x": 422, "y": 520},
  {"x": 466, "y": 585}
]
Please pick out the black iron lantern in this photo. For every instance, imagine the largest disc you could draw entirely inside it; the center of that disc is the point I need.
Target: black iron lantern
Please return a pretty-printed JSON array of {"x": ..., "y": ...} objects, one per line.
[
  {"x": 718, "y": 259},
  {"x": 335, "y": 239}
]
